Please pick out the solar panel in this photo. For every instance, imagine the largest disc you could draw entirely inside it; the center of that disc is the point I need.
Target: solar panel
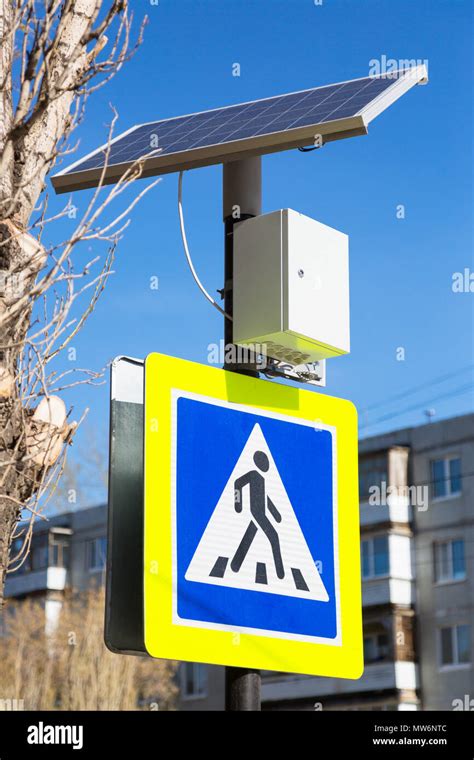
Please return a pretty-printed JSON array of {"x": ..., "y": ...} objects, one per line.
[{"x": 258, "y": 127}]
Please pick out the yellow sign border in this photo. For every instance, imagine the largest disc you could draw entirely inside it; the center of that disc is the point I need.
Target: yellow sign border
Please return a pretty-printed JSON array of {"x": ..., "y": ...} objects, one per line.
[{"x": 164, "y": 638}]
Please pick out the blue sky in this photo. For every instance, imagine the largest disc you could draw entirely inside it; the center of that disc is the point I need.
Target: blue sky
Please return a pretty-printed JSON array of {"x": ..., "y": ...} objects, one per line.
[{"x": 418, "y": 153}]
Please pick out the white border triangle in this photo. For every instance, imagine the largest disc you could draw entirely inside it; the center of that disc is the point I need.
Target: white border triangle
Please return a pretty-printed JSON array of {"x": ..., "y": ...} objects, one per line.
[{"x": 212, "y": 559}]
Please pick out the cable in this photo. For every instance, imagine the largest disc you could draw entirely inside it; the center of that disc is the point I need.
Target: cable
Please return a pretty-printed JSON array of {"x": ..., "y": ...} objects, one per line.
[
  {"x": 416, "y": 389},
  {"x": 188, "y": 255},
  {"x": 451, "y": 394}
]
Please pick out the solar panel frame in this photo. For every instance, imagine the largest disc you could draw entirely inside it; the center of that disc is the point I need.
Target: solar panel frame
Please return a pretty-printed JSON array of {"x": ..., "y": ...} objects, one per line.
[{"x": 246, "y": 129}]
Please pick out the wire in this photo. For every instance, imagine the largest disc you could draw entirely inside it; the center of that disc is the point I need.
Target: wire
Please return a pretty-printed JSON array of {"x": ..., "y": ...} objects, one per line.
[
  {"x": 446, "y": 395},
  {"x": 415, "y": 389},
  {"x": 188, "y": 255}
]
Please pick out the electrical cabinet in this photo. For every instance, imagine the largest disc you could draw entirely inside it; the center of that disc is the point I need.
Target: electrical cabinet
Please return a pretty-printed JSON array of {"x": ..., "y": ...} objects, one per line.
[{"x": 291, "y": 287}]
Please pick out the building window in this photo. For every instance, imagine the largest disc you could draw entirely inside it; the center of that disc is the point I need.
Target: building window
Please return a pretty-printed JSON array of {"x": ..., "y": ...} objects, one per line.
[
  {"x": 372, "y": 472},
  {"x": 375, "y": 559},
  {"x": 96, "y": 554},
  {"x": 455, "y": 645},
  {"x": 375, "y": 647},
  {"x": 449, "y": 560},
  {"x": 446, "y": 477},
  {"x": 39, "y": 553},
  {"x": 194, "y": 679}
]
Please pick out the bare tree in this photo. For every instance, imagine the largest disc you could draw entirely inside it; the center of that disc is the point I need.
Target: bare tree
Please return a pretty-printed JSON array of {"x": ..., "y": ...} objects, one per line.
[
  {"x": 84, "y": 479},
  {"x": 53, "y": 55},
  {"x": 69, "y": 668}
]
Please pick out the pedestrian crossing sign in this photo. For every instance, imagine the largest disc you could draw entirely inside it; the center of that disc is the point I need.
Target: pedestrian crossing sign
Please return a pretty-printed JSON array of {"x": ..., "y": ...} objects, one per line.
[{"x": 251, "y": 522}]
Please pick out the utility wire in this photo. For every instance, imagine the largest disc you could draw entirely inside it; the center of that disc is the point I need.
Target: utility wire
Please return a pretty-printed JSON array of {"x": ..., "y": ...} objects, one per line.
[
  {"x": 188, "y": 255},
  {"x": 415, "y": 389},
  {"x": 450, "y": 394}
]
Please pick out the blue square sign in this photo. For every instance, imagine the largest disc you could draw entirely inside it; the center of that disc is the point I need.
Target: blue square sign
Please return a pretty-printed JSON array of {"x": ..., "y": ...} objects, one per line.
[{"x": 254, "y": 521}]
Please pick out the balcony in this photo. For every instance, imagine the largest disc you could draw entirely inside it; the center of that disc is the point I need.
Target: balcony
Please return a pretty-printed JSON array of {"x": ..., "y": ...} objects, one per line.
[
  {"x": 387, "y": 591},
  {"x": 46, "y": 579},
  {"x": 387, "y": 568},
  {"x": 379, "y": 676},
  {"x": 395, "y": 509}
]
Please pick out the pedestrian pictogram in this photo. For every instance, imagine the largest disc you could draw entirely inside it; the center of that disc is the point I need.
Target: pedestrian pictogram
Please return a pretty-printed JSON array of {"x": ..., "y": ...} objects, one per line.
[{"x": 253, "y": 539}]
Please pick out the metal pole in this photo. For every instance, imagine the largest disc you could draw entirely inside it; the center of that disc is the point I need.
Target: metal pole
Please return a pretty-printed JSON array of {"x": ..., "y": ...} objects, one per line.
[
  {"x": 242, "y": 195},
  {"x": 242, "y": 689}
]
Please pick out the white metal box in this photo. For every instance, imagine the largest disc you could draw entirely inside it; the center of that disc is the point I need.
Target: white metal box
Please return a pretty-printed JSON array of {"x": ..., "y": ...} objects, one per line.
[{"x": 291, "y": 287}]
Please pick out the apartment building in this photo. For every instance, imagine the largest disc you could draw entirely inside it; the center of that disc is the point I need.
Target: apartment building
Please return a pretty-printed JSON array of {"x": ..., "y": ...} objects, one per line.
[
  {"x": 417, "y": 544},
  {"x": 67, "y": 551}
]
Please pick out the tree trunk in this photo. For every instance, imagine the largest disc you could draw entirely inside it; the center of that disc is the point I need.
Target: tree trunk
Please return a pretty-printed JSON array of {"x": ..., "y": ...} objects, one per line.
[
  {"x": 25, "y": 163},
  {"x": 54, "y": 65},
  {"x": 8, "y": 508}
]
